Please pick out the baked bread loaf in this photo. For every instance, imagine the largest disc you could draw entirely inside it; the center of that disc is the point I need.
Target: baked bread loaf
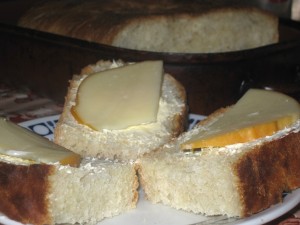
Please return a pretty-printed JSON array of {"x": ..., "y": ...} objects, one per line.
[
  {"x": 161, "y": 26},
  {"x": 51, "y": 193},
  {"x": 235, "y": 180},
  {"x": 122, "y": 144}
]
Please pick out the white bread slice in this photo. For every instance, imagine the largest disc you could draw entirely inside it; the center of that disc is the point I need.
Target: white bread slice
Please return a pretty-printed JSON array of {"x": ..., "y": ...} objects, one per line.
[
  {"x": 237, "y": 180},
  {"x": 178, "y": 26},
  {"x": 53, "y": 194},
  {"x": 125, "y": 144}
]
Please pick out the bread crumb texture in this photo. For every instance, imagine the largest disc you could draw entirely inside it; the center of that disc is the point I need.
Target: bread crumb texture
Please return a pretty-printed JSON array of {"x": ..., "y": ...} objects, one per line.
[
  {"x": 96, "y": 190},
  {"x": 221, "y": 31}
]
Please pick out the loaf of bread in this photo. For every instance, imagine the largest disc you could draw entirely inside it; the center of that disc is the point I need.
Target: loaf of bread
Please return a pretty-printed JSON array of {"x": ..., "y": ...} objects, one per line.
[
  {"x": 161, "y": 26},
  {"x": 122, "y": 144},
  {"x": 236, "y": 180}
]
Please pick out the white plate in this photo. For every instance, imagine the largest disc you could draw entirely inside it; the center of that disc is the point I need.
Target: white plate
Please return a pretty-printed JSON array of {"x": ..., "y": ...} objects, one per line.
[{"x": 150, "y": 214}]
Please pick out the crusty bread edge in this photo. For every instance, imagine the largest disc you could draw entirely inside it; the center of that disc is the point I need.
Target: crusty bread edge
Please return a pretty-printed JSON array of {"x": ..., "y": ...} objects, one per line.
[
  {"x": 180, "y": 120},
  {"x": 267, "y": 171},
  {"x": 24, "y": 192}
]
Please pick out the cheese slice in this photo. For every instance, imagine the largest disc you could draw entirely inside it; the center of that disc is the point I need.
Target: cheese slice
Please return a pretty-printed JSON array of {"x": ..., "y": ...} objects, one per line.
[
  {"x": 257, "y": 114},
  {"x": 18, "y": 142},
  {"x": 119, "y": 98}
]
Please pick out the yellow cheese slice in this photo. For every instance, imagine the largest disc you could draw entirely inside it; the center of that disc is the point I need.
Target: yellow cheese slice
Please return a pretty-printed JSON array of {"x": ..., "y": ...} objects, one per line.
[
  {"x": 121, "y": 97},
  {"x": 18, "y": 142},
  {"x": 257, "y": 114}
]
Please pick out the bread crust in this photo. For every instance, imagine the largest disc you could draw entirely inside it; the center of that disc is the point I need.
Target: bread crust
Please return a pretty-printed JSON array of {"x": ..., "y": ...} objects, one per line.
[
  {"x": 180, "y": 120},
  {"x": 267, "y": 171},
  {"x": 24, "y": 192}
]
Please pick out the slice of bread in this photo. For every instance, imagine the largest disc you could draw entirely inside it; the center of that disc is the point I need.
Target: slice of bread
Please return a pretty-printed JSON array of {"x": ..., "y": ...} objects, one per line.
[
  {"x": 236, "y": 180},
  {"x": 54, "y": 194},
  {"x": 161, "y": 26},
  {"x": 125, "y": 144}
]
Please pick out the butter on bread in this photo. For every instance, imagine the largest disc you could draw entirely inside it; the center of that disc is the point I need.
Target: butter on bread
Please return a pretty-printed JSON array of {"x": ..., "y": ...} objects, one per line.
[
  {"x": 161, "y": 25},
  {"x": 123, "y": 144},
  {"x": 35, "y": 188},
  {"x": 236, "y": 180}
]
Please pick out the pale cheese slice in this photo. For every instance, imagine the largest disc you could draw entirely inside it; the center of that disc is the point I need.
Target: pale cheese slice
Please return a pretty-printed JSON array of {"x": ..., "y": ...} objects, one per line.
[
  {"x": 257, "y": 114},
  {"x": 18, "y": 142},
  {"x": 119, "y": 98}
]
